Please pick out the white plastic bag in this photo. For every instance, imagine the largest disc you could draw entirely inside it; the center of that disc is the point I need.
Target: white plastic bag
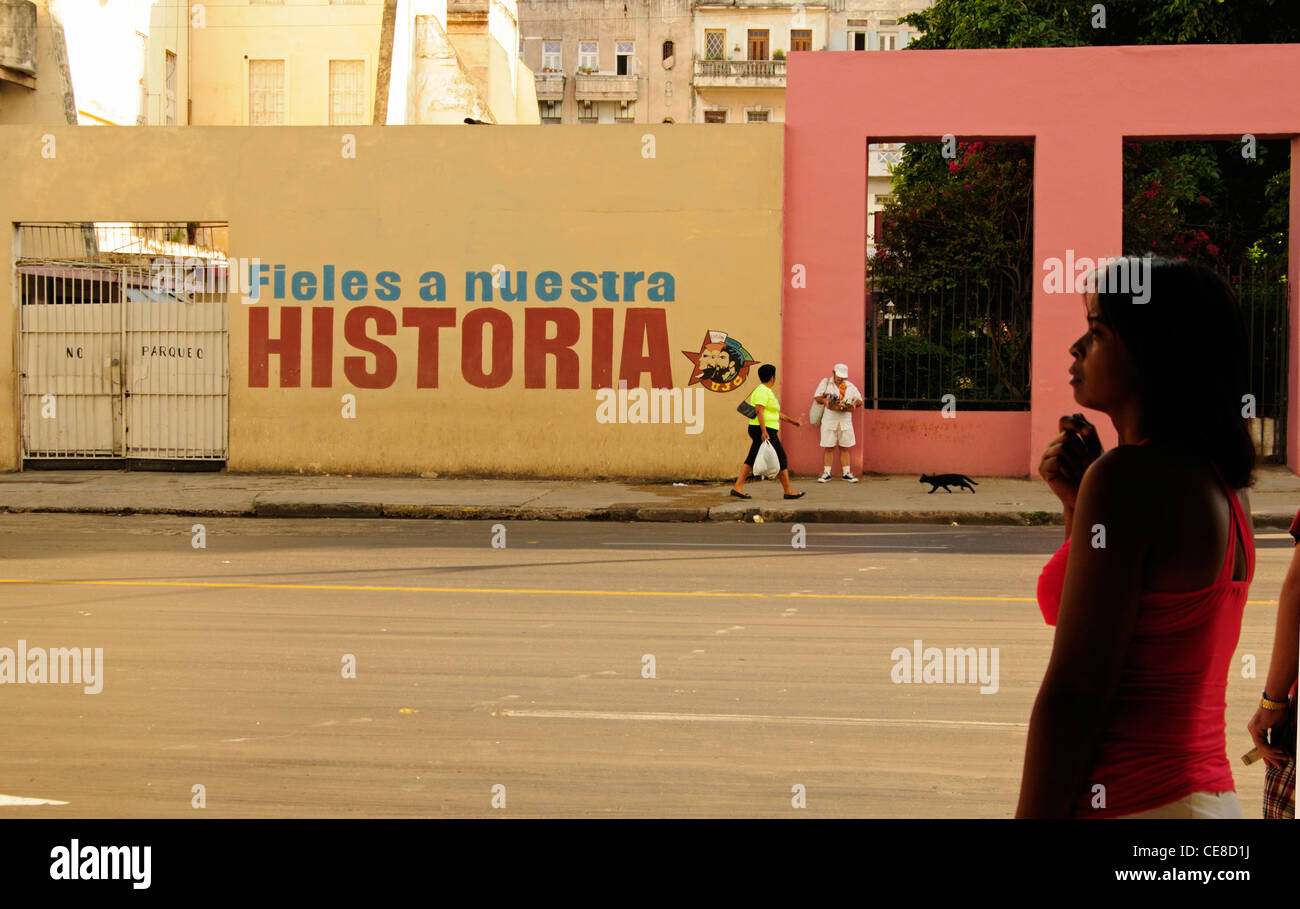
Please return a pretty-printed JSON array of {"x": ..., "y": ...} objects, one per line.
[{"x": 766, "y": 464}]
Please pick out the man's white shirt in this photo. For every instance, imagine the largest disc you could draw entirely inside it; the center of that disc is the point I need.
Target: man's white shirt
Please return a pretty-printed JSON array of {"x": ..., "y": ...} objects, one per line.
[{"x": 851, "y": 395}]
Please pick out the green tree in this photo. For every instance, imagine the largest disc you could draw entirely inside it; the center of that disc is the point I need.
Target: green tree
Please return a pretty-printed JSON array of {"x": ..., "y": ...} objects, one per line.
[
  {"x": 967, "y": 223},
  {"x": 1195, "y": 199},
  {"x": 956, "y": 258}
]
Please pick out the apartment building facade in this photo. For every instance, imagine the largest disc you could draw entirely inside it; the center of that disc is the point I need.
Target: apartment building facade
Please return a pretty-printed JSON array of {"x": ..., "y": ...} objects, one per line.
[
  {"x": 341, "y": 63},
  {"x": 858, "y": 27},
  {"x": 262, "y": 63},
  {"x": 741, "y": 48},
  {"x": 291, "y": 62},
  {"x": 740, "y": 55},
  {"x": 118, "y": 63},
  {"x": 609, "y": 61}
]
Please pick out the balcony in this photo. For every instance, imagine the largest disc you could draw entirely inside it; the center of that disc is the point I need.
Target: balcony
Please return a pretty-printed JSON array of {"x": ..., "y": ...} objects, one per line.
[
  {"x": 740, "y": 74},
  {"x": 18, "y": 42},
  {"x": 550, "y": 86},
  {"x": 881, "y": 157},
  {"x": 605, "y": 87}
]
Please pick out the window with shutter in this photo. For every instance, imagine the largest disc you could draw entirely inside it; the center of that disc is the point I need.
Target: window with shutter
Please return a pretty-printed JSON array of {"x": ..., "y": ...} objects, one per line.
[
  {"x": 552, "y": 56},
  {"x": 347, "y": 92},
  {"x": 265, "y": 92}
]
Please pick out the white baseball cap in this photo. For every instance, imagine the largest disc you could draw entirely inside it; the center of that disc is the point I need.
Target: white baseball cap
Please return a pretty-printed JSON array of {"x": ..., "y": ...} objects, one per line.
[{"x": 841, "y": 371}]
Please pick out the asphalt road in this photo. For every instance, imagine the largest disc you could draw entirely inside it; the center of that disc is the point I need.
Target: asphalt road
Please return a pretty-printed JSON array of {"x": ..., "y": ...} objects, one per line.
[{"x": 524, "y": 667}]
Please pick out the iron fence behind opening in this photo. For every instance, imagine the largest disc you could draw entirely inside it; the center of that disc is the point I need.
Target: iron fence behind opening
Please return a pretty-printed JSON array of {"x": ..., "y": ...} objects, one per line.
[
  {"x": 970, "y": 341},
  {"x": 1262, "y": 292}
]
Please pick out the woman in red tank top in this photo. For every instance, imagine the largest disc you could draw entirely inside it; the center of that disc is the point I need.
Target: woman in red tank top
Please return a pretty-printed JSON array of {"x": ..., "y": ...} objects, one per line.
[{"x": 1148, "y": 591}]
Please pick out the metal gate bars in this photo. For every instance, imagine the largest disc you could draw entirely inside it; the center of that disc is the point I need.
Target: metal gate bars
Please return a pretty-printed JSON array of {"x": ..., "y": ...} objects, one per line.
[{"x": 120, "y": 359}]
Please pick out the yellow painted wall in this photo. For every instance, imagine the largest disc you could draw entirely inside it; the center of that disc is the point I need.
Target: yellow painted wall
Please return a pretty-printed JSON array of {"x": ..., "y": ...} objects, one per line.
[
  {"x": 424, "y": 198},
  {"x": 526, "y": 110},
  {"x": 306, "y": 34},
  {"x": 502, "y": 65}
]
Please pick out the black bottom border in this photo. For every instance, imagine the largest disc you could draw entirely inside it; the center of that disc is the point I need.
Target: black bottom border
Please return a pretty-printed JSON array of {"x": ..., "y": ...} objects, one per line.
[{"x": 333, "y": 858}]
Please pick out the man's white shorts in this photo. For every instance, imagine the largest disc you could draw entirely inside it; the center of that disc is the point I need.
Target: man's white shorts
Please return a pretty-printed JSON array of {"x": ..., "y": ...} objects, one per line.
[{"x": 838, "y": 433}]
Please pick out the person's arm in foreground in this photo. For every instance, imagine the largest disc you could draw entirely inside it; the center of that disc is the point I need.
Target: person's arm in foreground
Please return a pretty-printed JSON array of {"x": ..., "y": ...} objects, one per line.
[
  {"x": 762, "y": 423},
  {"x": 789, "y": 419},
  {"x": 1282, "y": 665},
  {"x": 1099, "y": 608}
]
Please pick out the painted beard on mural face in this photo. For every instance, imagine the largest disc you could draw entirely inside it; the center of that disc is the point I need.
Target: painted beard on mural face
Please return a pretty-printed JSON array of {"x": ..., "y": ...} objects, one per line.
[{"x": 717, "y": 364}]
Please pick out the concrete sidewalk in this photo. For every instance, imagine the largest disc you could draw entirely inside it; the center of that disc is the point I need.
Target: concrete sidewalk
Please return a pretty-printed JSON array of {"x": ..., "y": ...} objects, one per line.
[{"x": 1275, "y": 498}]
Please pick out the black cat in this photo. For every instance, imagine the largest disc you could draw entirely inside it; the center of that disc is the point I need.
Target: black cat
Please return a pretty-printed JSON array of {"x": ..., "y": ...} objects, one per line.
[{"x": 960, "y": 480}]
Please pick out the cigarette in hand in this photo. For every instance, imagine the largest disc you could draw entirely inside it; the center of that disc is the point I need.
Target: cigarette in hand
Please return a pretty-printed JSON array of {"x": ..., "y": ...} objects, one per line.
[{"x": 1251, "y": 756}]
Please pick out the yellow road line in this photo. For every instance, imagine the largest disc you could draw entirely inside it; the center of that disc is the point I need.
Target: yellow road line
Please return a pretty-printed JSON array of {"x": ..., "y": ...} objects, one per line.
[
  {"x": 232, "y": 585},
  {"x": 743, "y": 718},
  {"x": 374, "y": 587}
]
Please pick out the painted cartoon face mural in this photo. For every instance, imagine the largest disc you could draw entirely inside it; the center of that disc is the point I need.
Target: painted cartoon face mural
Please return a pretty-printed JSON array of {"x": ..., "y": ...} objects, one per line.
[{"x": 721, "y": 364}]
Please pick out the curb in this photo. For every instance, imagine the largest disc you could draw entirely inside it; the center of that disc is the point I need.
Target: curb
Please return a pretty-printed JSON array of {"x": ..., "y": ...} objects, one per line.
[
  {"x": 317, "y": 510},
  {"x": 620, "y": 513},
  {"x": 866, "y": 516},
  {"x": 119, "y": 510}
]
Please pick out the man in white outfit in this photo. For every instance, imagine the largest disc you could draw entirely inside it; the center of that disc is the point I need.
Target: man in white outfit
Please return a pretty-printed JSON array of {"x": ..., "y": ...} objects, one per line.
[{"x": 841, "y": 398}]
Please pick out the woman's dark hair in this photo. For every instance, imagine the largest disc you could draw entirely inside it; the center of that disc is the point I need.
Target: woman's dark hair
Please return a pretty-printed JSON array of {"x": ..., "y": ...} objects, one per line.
[
  {"x": 766, "y": 371},
  {"x": 1188, "y": 343}
]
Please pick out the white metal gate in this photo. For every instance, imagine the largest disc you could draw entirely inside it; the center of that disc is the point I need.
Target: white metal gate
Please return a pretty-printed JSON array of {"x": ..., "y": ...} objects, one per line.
[
  {"x": 70, "y": 324},
  {"x": 120, "y": 360}
]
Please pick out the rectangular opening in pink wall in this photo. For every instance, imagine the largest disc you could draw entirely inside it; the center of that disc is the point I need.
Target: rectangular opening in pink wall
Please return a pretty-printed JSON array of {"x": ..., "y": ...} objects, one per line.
[
  {"x": 1224, "y": 203},
  {"x": 949, "y": 305}
]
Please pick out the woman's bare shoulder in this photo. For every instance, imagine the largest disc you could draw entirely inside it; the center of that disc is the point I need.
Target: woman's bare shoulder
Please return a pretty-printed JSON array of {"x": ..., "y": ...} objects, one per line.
[
  {"x": 1143, "y": 484},
  {"x": 1124, "y": 468}
]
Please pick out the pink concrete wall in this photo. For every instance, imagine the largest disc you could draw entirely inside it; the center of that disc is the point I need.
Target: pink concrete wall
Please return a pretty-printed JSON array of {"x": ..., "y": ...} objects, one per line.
[
  {"x": 1293, "y": 272},
  {"x": 987, "y": 444},
  {"x": 1078, "y": 105}
]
